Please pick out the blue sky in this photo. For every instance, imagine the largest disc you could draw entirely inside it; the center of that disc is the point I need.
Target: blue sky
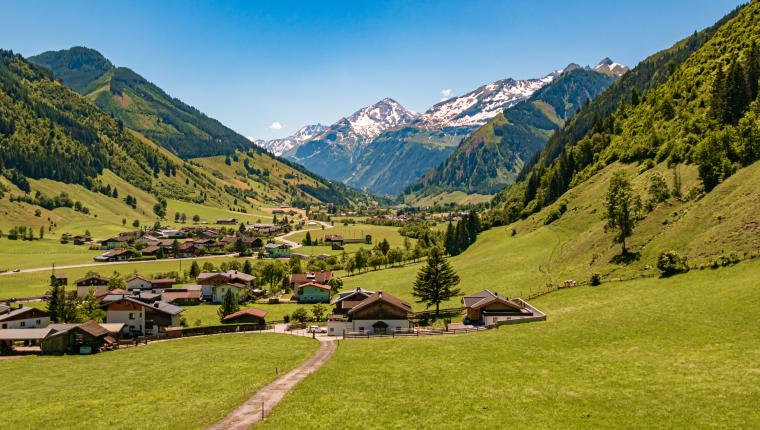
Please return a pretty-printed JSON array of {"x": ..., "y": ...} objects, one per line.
[{"x": 251, "y": 64}]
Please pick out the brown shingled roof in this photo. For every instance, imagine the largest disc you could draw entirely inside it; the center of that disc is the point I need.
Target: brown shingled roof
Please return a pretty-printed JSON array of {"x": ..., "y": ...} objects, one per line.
[
  {"x": 248, "y": 311},
  {"x": 385, "y": 297}
]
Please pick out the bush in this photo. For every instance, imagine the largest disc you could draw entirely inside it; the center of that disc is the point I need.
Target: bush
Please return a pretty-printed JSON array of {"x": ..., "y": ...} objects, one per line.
[
  {"x": 671, "y": 263},
  {"x": 596, "y": 279}
]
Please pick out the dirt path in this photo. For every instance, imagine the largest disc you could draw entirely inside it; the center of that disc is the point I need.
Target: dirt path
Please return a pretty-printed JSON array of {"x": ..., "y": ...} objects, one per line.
[
  {"x": 262, "y": 403},
  {"x": 294, "y": 245}
]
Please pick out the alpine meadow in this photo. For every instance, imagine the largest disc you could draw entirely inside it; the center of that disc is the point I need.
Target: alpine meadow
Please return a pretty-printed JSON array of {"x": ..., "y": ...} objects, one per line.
[{"x": 380, "y": 215}]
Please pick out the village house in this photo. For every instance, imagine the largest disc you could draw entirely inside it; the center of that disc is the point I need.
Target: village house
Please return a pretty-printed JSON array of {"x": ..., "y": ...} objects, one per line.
[
  {"x": 209, "y": 280},
  {"x": 297, "y": 279},
  {"x": 86, "y": 338},
  {"x": 186, "y": 296},
  {"x": 190, "y": 249},
  {"x": 162, "y": 283},
  {"x": 378, "y": 314},
  {"x": 137, "y": 282},
  {"x": 23, "y": 317},
  {"x": 246, "y": 316},
  {"x": 150, "y": 251},
  {"x": 141, "y": 318},
  {"x": 218, "y": 291},
  {"x": 312, "y": 292},
  {"x": 141, "y": 295},
  {"x": 489, "y": 308},
  {"x": 94, "y": 281},
  {"x": 115, "y": 242},
  {"x": 113, "y": 255}
]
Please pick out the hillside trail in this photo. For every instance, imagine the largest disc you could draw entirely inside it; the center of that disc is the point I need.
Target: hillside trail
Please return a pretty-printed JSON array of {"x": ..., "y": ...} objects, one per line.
[
  {"x": 294, "y": 245},
  {"x": 263, "y": 401}
]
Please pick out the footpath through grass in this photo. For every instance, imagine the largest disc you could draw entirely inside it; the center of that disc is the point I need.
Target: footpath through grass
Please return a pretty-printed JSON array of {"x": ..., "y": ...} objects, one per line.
[
  {"x": 183, "y": 384},
  {"x": 674, "y": 353}
]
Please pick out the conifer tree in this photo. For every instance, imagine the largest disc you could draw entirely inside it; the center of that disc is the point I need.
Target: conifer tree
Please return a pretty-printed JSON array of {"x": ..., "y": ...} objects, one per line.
[
  {"x": 195, "y": 270},
  {"x": 229, "y": 305},
  {"x": 436, "y": 281},
  {"x": 450, "y": 240}
]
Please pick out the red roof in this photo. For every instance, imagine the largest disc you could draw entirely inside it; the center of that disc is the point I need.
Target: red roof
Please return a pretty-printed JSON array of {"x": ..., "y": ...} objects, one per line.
[
  {"x": 314, "y": 284},
  {"x": 248, "y": 311}
]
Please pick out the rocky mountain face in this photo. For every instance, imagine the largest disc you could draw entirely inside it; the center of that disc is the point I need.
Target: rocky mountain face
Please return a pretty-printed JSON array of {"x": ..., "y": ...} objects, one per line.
[
  {"x": 610, "y": 67},
  {"x": 280, "y": 146}
]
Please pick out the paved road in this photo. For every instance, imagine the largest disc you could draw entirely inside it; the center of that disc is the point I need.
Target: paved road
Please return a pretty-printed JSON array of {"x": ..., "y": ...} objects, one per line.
[
  {"x": 294, "y": 245},
  {"x": 262, "y": 403}
]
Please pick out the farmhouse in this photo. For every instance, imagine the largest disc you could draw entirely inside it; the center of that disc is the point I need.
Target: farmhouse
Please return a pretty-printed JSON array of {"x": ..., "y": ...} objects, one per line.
[
  {"x": 115, "y": 242},
  {"x": 23, "y": 317},
  {"x": 380, "y": 313},
  {"x": 209, "y": 280},
  {"x": 86, "y": 338},
  {"x": 490, "y": 308},
  {"x": 249, "y": 315},
  {"x": 137, "y": 282},
  {"x": 182, "y": 296},
  {"x": 218, "y": 291},
  {"x": 95, "y": 281},
  {"x": 297, "y": 279},
  {"x": 141, "y": 318},
  {"x": 312, "y": 292},
  {"x": 162, "y": 283}
]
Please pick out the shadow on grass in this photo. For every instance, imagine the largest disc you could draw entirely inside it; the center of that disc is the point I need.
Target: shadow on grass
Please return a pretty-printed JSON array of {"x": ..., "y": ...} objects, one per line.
[{"x": 626, "y": 258}]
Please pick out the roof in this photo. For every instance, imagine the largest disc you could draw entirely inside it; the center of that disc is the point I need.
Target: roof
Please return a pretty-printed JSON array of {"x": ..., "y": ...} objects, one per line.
[
  {"x": 318, "y": 277},
  {"x": 382, "y": 297},
  {"x": 230, "y": 275},
  {"x": 136, "y": 276},
  {"x": 150, "y": 249},
  {"x": 113, "y": 327},
  {"x": 347, "y": 294},
  {"x": 59, "y": 276},
  {"x": 314, "y": 284},
  {"x": 180, "y": 293},
  {"x": 24, "y": 333},
  {"x": 163, "y": 281},
  {"x": 4, "y": 309},
  {"x": 13, "y": 314},
  {"x": 94, "y": 276},
  {"x": 159, "y": 306},
  {"x": 485, "y": 297},
  {"x": 248, "y": 311}
]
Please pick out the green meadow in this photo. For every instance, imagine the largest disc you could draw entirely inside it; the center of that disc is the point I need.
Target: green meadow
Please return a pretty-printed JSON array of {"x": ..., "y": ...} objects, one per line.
[
  {"x": 681, "y": 352},
  {"x": 191, "y": 383}
]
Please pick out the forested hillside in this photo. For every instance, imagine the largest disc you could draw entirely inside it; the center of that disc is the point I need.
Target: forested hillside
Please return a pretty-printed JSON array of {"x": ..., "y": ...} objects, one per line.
[
  {"x": 490, "y": 158},
  {"x": 141, "y": 105},
  {"x": 672, "y": 107}
]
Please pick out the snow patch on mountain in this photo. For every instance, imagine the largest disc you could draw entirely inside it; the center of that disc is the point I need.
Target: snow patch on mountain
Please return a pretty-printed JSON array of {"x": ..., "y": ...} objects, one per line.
[
  {"x": 611, "y": 67},
  {"x": 280, "y": 146}
]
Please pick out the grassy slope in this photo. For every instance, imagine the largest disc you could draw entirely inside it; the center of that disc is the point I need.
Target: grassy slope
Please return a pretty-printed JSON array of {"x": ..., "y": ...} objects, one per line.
[
  {"x": 185, "y": 384},
  {"x": 673, "y": 353},
  {"x": 352, "y": 231}
]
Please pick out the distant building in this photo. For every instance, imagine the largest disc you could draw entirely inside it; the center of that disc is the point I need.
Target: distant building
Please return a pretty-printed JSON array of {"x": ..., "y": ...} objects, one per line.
[
  {"x": 91, "y": 282},
  {"x": 23, "y": 317},
  {"x": 490, "y": 308},
  {"x": 248, "y": 316},
  {"x": 312, "y": 292},
  {"x": 141, "y": 318}
]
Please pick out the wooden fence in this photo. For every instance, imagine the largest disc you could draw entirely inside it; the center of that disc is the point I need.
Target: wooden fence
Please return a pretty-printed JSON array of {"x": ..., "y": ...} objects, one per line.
[{"x": 411, "y": 333}]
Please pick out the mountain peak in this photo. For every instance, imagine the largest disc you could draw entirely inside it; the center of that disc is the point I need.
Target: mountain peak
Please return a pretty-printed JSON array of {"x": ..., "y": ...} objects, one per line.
[
  {"x": 370, "y": 121},
  {"x": 606, "y": 65}
]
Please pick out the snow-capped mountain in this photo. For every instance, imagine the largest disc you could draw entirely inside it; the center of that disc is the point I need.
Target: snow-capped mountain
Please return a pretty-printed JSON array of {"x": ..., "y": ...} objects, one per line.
[
  {"x": 280, "y": 146},
  {"x": 477, "y": 107},
  {"x": 610, "y": 67}
]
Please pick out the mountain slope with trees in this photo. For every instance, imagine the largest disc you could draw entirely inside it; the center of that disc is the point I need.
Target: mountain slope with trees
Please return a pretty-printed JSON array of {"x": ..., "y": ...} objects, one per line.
[{"x": 491, "y": 157}]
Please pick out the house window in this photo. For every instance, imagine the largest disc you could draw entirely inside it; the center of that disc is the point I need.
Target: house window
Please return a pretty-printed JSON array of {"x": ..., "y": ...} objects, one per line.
[
  {"x": 39, "y": 322},
  {"x": 23, "y": 323},
  {"x": 131, "y": 316},
  {"x": 5, "y": 325}
]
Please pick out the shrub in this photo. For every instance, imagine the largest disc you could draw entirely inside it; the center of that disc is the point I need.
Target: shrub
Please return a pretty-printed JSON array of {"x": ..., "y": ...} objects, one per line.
[
  {"x": 596, "y": 279},
  {"x": 671, "y": 263}
]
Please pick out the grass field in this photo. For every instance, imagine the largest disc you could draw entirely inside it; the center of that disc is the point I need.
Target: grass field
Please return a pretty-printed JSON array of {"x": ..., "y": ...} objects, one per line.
[
  {"x": 183, "y": 384},
  {"x": 41, "y": 253},
  {"x": 672, "y": 353},
  {"x": 352, "y": 231}
]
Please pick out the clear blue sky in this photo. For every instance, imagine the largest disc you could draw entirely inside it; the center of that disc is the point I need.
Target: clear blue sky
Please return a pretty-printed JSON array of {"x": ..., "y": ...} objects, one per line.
[{"x": 253, "y": 63}]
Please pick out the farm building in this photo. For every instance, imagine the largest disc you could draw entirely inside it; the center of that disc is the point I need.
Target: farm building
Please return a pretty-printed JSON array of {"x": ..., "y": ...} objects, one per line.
[
  {"x": 23, "y": 317},
  {"x": 140, "y": 318},
  {"x": 86, "y": 338},
  {"x": 297, "y": 279},
  {"x": 490, "y": 308},
  {"x": 378, "y": 314},
  {"x": 312, "y": 292},
  {"x": 249, "y": 315}
]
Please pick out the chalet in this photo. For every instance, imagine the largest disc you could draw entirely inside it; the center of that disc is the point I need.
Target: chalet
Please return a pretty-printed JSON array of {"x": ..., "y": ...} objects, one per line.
[
  {"x": 218, "y": 291},
  {"x": 312, "y": 292},
  {"x": 24, "y": 317},
  {"x": 58, "y": 279},
  {"x": 378, "y": 314},
  {"x": 95, "y": 281},
  {"x": 113, "y": 255},
  {"x": 86, "y": 338},
  {"x": 82, "y": 239},
  {"x": 227, "y": 221},
  {"x": 248, "y": 316},
  {"x": 209, "y": 280},
  {"x": 140, "y": 318},
  {"x": 297, "y": 279},
  {"x": 190, "y": 249},
  {"x": 141, "y": 295},
  {"x": 115, "y": 242},
  {"x": 137, "y": 282},
  {"x": 345, "y": 301},
  {"x": 489, "y": 308},
  {"x": 182, "y": 296},
  {"x": 150, "y": 251}
]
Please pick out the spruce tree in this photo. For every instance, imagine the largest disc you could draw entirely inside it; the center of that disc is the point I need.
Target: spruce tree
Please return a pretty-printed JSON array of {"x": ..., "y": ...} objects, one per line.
[
  {"x": 450, "y": 240},
  {"x": 195, "y": 270},
  {"x": 54, "y": 302},
  {"x": 229, "y": 305},
  {"x": 436, "y": 281},
  {"x": 473, "y": 225},
  {"x": 463, "y": 236}
]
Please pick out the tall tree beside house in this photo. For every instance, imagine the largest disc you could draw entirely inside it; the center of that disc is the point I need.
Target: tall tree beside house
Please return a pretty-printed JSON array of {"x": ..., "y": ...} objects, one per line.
[
  {"x": 116, "y": 281},
  {"x": 294, "y": 264},
  {"x": 175, "y": 248},
  {"x": 55, "y": 301},
  {"x": 272, "y": 273},
  {"x": 335, "y": 284},
  {"x": 90, "y": 309},
  {"x": 195, "y": 270},
  {"x": 247, "y": 267},
  {"x": 229, "y": 305},
  {"x": 319, "y": 310},
  {"x": 622, "y": 207},
  {"x": 436, "y": 282}
]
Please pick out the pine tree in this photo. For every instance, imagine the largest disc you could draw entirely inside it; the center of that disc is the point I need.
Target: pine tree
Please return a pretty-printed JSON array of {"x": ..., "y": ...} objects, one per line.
[
  {"x": 229, "y": 305},
  {"x": 55, "y": 301},
  {"x": 450, "y": 240},
  {"x": 195, "y": 270},
  {"x": 436, "y": 281},
  {"x": 247, "y": 267},
  {"x": 473, "y": 225},
  {"x": 463, "y": 236}
]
